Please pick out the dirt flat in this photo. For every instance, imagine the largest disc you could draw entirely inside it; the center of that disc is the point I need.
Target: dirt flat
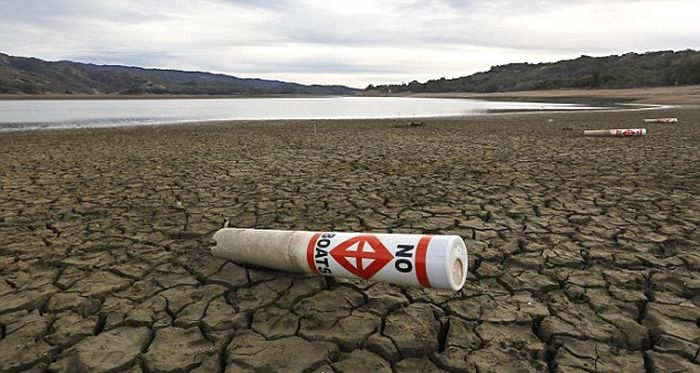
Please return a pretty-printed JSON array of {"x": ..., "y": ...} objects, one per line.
[{"x": 583, "y": 251}]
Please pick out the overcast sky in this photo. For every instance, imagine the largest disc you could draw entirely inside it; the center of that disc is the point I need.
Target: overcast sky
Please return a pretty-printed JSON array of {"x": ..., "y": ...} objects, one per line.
[{"x": 351, "y": 42}]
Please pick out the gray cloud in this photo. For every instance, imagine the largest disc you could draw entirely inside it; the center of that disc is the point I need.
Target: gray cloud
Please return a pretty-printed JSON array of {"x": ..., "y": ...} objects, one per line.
[{"x": 336, "y": 41}]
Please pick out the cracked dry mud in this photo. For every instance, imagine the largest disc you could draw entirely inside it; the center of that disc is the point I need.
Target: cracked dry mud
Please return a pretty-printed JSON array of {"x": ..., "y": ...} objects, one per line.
[{"x": 583, "y": 251}]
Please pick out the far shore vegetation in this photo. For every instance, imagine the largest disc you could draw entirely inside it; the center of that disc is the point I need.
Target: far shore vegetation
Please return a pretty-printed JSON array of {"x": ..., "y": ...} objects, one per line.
[{"x": 631, "y": 70}]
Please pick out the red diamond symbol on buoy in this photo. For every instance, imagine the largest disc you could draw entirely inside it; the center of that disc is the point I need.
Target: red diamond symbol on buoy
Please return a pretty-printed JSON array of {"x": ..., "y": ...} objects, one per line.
[
  {"x": 628, "y": 133},
  {"x": 367, "y": 253}
]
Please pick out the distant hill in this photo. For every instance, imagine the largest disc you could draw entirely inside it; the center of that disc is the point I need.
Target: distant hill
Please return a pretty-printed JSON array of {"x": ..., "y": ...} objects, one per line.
[
  {"x": 22, "y": 75},
  {"x": 631, "y": 70}
]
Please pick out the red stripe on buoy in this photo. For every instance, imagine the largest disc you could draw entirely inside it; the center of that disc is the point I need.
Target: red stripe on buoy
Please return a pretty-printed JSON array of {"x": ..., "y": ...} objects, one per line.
[
  {"x": 310, "y": 252},
  {"x": 421, "y": 254}
]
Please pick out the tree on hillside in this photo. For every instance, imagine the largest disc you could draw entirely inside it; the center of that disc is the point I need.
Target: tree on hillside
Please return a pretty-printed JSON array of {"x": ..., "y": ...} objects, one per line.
[{"x": 685, "y": 70}]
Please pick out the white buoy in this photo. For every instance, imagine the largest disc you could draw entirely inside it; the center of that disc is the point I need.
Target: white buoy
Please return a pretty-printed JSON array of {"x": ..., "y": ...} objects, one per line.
[
  {"x": 660, "y": 120},
  {"x": 631, "y": 132},
  {"x": 431, "y": 261}
]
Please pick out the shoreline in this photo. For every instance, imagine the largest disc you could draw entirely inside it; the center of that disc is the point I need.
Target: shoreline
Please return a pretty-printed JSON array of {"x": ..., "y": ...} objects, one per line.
[
  {"x": 649, "y": 95},
  {"x": 232, "y": 122},
  {"x": 614, "y": 107},
  {"x": 681, "y": 95},
  {"x": 684, "y": 95},
  {"x": 398, "y": 122}
]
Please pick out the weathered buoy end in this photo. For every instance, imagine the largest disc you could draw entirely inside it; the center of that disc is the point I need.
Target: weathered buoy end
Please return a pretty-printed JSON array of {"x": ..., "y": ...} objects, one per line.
[
  {"x": 215, "y": 250},
  {"x": 458, "y": 265}
]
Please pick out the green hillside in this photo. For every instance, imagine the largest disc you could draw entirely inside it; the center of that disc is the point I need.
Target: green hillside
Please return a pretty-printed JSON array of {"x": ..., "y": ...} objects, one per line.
[
  {"x": 629, "y": 70},
  {"x": 22, "y": 75}
]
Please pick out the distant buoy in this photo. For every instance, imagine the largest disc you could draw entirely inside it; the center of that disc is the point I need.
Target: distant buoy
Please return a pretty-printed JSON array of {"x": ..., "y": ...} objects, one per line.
[
  {"x": 631, "y": 132},
  {"x": 660, "y": 120}
]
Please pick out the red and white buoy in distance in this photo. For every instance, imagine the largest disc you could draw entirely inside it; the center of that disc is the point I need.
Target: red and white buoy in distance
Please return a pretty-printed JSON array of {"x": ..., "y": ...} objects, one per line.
[
  {"x": 630, "y": 132},
  {"x": 660, "y": 120},
  {"x": 431, "y": 261}
]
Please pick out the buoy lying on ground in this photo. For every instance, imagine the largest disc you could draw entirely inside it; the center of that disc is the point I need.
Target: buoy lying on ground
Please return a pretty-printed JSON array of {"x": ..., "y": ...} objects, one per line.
[
  {"x": 431, "y": 261},
  {"x": 660, "y": 120},
  {"x": 617, "y": 132}
]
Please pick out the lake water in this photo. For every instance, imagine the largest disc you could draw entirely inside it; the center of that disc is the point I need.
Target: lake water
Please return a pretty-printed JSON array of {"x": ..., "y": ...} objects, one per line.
[{"x": 44, "y": 114}]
